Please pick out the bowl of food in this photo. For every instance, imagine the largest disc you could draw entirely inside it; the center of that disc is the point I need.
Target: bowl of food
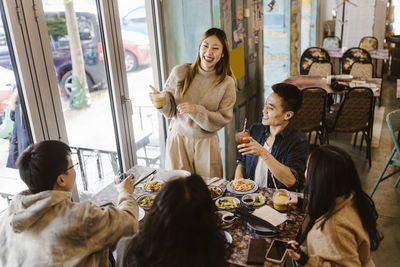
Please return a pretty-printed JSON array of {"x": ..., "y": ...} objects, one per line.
[
  {"x": 215, "y": 192},
  {"x": 226, "y": 218},
  {"x": 146, "y": 201},
  {"x": 227, "y": 203},
  {"x": 253, "y": 200},
  {"x": 153, "y": 186}
]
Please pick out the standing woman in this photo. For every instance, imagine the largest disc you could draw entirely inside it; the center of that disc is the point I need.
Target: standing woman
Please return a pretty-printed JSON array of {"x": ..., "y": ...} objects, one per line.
[
  {"x": 199, "y": 100},
  {"x": 342, "y": 228}
]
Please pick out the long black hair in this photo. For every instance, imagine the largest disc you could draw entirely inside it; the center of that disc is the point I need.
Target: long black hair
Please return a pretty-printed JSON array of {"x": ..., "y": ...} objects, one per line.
[
  {"x": 331, "y": 173},
  {"x": 181, "y": 229}
]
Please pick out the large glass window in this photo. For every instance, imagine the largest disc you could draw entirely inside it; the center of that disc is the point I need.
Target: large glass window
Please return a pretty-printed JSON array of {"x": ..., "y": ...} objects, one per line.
[
  {"x": 14, "y": 132},
  {"x": 86, "y": 102},
  {"x": 140, "y": 75}
]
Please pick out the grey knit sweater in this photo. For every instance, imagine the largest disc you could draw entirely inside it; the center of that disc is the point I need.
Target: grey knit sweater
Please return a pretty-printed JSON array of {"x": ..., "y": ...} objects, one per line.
[{"x": 214, "y": 102}]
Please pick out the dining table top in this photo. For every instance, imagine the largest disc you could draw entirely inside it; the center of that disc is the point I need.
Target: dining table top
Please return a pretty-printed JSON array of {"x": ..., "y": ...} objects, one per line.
[
  {"x": 241, "y": 235},
  {"x": 306, "y": 81}
]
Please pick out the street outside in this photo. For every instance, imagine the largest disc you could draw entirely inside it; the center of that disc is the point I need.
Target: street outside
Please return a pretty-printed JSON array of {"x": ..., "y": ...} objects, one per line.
[{"x": 92, "y": 127}]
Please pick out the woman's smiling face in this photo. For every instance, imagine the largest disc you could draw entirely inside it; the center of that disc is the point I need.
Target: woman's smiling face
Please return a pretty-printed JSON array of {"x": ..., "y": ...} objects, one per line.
[{"x": 210, "y": 53}]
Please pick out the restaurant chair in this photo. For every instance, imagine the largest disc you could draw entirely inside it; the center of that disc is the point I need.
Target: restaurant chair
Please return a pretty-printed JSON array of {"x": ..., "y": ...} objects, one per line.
[
  {"x": 354, "y": 55},
  {"x": 331, "y": 42},
  {"x": 355, "y": 115},
  {"x": 362, "y": 70},
  {"x": 368, "y": 43},
  {"x": 393, "y": 122},
  {"x": 311, "y": 55},
  {"x": 311, "y": 115},
  {"x": 320, "y": 69}
]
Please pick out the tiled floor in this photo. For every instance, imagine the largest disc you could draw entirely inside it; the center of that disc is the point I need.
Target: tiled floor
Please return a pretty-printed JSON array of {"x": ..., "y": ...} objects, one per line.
[{"x": 386, "y": 198}]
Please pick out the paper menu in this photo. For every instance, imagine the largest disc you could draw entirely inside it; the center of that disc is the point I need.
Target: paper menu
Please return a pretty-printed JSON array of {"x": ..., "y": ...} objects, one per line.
[{"x": 270, "y": 215}]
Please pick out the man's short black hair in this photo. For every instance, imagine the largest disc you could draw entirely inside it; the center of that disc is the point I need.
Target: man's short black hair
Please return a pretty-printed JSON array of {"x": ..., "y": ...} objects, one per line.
[
  {"x": 41, "y": 163},
  {"x": 290, "y": 94}
]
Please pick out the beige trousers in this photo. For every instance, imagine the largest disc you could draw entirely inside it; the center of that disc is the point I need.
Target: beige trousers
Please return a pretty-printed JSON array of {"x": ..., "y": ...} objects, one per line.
[{"x": 196, "y": 155}]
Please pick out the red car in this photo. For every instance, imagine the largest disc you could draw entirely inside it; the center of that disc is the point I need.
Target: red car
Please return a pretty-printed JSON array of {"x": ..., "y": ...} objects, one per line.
[{"x": 136, "y": 48}]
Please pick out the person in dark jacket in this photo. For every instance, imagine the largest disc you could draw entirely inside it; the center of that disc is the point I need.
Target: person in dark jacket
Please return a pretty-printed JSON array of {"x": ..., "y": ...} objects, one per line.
[{"x": 276, "y": 150}]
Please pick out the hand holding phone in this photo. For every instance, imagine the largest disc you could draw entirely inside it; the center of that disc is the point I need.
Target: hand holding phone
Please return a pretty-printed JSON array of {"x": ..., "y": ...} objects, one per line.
[
  {"x": 277, "y": 252},
  {"x": 294, "y": 249}
]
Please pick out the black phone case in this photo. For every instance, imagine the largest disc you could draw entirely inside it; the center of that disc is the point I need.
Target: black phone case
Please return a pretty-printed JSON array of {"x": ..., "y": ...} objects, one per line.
[{"x": 256, "y": 251}]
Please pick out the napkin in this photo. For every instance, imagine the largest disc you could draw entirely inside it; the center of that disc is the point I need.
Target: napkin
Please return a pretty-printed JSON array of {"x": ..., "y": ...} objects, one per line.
[
  {"x": 269, "y": 214},
  {"x": 220, "y": 182}
]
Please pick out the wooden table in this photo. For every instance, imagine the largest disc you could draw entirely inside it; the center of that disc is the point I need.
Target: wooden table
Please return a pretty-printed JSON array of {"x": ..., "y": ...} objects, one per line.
[{"x": 241, "y": 236}]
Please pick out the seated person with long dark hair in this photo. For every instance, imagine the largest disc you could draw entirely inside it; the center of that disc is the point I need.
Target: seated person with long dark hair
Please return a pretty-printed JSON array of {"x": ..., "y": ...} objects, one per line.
[
  {"x": 276, "y": 149},
  {"x": 342, "y": 228},
  {"x": 43, "y": 227},
  {"x": 181, "y": 229}
]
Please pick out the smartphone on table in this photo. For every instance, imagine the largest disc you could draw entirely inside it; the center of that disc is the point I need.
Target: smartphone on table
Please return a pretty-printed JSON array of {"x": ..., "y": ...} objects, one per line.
[{"x": 277, "y": 251}]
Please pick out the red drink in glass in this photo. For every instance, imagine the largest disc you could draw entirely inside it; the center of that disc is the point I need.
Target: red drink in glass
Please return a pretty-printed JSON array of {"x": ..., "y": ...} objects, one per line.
[{"x": 240, "y": 135}]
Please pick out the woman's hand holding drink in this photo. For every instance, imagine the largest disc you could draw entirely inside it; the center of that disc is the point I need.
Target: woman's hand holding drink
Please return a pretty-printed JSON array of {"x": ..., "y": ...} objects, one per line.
[{"x": 157, "y": 97}]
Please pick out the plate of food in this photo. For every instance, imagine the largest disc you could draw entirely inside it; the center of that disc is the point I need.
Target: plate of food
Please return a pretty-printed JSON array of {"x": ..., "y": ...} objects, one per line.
[
  {"x": 226, "y": 218},
  {"x": 253, "y": 200},
  {"x": 215, "y": 192},
  {"x": 153, "y": 186},
  {"x": 242, "y": 186},
  {"x": 141, "y": 214},
  {"x": 227, "y": 203},
  {"x": 146, "y": 201}
]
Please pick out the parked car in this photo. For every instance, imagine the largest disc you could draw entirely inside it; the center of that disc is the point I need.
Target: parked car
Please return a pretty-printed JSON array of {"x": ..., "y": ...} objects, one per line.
[
  {"x": 135, "y": 20},
  {"x": 136, "y": 46}
]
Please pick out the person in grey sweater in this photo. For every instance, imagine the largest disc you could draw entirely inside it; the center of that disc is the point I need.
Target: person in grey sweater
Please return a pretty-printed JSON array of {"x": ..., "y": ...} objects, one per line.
[
  {"x": 199, "y": 100},
  {"x": 43, "y": 227}
]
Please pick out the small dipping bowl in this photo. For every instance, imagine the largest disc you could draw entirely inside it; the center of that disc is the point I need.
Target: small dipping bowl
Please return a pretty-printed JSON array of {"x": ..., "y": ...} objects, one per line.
[
  {"x": 248, "y": 199},
  {"x": 226, "y": 218}
]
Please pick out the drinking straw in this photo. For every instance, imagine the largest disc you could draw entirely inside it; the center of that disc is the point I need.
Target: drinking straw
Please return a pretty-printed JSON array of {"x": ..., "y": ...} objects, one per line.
[
  {"x": 273, "y": 179},
  {"x": 244, "y": 126}
]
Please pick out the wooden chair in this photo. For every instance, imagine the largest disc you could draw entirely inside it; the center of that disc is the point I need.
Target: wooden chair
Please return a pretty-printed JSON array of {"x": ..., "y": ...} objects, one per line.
[
  {"x": 311, "y": 55},
  {"x": 368, "y": 43},
  {"x": 331, "y": 42},
  {"x": 354, "y": 55},
  {"x": 393, "y": 122},
  {"x": 311, "y": 115},
  {"x": 355, "y": 115},
  {"x": 320, "y": 69},
  {"x": 362, "y": 70}
]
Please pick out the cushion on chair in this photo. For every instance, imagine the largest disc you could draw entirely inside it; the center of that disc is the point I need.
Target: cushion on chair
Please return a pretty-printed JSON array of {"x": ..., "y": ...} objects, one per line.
[
  {"x": 361, "y": 70},
  {"x": 320, "y": 69}
]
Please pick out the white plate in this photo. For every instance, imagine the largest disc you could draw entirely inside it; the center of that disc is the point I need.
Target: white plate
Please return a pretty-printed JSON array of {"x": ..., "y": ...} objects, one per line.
[
  {"x": 228, "y": 237},
  {"x": 260, "y": 230},
  {"x": 234, "y": 191},
  {"x": 227, "y": 198},
  {"x": 141, "y": 214}
]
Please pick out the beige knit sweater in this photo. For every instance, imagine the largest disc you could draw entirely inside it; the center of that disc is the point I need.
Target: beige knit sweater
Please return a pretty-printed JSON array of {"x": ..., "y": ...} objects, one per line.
[
  {"x": 342, "y": 241},
  {"x": 214, "y": 102}
]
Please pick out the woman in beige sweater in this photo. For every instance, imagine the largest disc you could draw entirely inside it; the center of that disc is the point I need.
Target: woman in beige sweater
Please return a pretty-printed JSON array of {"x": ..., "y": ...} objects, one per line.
[
  {"x": 199, "y": 100},
  {"x": 342, "y": 228}
]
